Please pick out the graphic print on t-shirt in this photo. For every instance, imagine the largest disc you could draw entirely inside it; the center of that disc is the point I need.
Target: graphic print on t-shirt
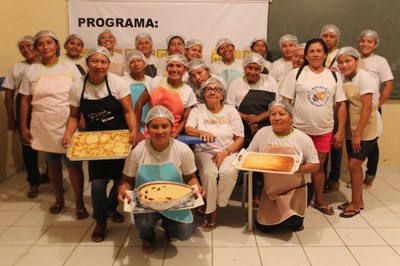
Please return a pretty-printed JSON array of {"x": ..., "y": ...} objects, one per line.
[{"x": 318, "y": 96}]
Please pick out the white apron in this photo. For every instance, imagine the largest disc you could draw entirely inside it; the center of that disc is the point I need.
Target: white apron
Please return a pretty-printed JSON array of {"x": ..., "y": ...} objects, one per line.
[{"x": 50, "y": 111}]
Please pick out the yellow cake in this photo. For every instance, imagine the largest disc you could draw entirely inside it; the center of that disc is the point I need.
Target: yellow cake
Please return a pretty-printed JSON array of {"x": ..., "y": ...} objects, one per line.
[{"x": 269, "y": 162}]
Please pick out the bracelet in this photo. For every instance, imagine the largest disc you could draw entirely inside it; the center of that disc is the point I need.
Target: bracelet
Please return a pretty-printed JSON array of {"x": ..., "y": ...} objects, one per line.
[{"x": 229, "y": 151}]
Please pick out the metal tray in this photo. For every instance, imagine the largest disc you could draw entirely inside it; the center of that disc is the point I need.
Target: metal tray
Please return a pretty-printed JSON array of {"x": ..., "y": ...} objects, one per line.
[
  {"x": 107, "y": 147},
  {"x": 238, "y": 162}
]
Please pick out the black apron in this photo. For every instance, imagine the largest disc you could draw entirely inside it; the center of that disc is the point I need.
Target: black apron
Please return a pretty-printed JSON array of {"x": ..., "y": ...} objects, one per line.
[
  {"x": 150, "y": 70},
  {"x": 255, "y": 102},
  {"x": 103, "y": 114}
]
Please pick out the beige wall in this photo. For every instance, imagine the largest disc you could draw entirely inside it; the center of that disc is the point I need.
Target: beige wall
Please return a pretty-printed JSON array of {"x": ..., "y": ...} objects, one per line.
[{"x": 20, "y": 17}]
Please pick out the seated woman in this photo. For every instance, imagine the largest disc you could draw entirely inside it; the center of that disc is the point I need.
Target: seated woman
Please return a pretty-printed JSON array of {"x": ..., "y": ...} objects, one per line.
[
  {"x": 221, "y": 127},
  {"x": 362, "y": 92},
  {"x": 285, "y": 197},
  {"x": 172, "y": 93},
  {"x": 160, "y": 153},
  {"x": 138, "y": 82}
]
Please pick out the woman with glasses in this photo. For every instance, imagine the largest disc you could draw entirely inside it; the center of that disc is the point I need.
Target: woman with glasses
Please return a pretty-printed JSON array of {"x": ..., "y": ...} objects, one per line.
[{"x": 221, "y": 128}]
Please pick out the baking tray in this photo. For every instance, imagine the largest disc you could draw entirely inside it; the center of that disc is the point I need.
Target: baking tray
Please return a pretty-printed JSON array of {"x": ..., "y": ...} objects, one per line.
[
  {"x": 99, "y": 145},
  {"x": 238, "y": 162}
]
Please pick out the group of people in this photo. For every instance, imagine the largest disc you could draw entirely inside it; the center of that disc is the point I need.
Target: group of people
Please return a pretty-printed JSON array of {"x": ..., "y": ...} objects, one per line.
[{"x": 312, "y": 101}]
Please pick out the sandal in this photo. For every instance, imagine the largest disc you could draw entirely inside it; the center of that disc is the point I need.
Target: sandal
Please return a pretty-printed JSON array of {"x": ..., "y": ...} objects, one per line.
[
  {"x": 33, "y": 192},
  {"x": 351, "y": 213},
  {"x": 116, "y": 217},
  {"x": 344, "y": 206},
  {"x": 325, "y": 209},
  {"x": 81, "y": 214},
  {"x": 208, "y": 226},
  {"x": 56, "y": 208},
  {"x": 148, "y": 246},
  {"x": 99, "y": 233}
]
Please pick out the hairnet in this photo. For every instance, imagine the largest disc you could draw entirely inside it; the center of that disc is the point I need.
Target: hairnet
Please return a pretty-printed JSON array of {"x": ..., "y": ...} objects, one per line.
[
  {"x": 26, "y": 38},
  {"x": 143, "y": 36},
  {"x": 288, "y": 38},
  {"x": 158, "y": 111},
  {"x": 48, "y": 33},
  {"x": 99, "y": 36},
  {"x": 177, "y": 58},
  {"x": 196, "y": 64},
  {"x": 98, "y": 50},
  {"x": 348, "y": 50},
  {"x": 258, "y": 39},
  {"x": 192, "y": 42},
  {"x": 370, "y": 33},
  {"x": 74, "y": 36},
  {"x": 171, "y": 36},
  {"x": 221, "y": 42},
  {"x": 285, "y": 105},
  {"x": 330, "y": 28},
  {"x": 300, "y": 46},
  {"x": 253, "y": 58},
  {"x": 216, "y": 80},
  {"x": 135, "y": 54}
]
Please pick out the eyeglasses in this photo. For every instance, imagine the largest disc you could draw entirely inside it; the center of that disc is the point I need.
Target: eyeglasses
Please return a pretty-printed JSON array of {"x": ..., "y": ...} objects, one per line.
[{"x": 209, "y": 89}]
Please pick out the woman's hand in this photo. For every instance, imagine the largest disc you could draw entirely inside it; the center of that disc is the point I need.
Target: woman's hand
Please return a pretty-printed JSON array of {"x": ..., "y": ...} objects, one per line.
[
  {"x": 207, "y": 136},
  {"x": 140, "y": 136},
  {"x": 133, "y": 138},
  {"x": 219, "y": 157},
  {"x": 356, "y": 143},
  {"x": 122, "y": 194},
  {"x": 252, "y": 119},
  {"x": 338, "y": 140},
  {"x": 26, "y": 136},
  {"x": 66, "y": 140}
]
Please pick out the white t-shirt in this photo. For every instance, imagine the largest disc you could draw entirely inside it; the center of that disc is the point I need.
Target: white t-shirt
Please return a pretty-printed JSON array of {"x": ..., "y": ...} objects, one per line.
[
  {"x": 118, "y": 87},
  {"x": 187, "y": 95},
  {"x": 81, "y": 61},
  {"x": 36, "y": 71},
  {"x": 280, "y": 67},
  {"x": 224, "y": 125},
  {"x": 302, "y": 143},
  {"x": 331, "y": 56},
  {"x": 14, "y": 76},
  {"x": 177, "y": 152},
  {"x": 228, "y": 72},
  {"x": 314, "y": 96},
  {"x": 378, "y": 67},
  {"x": 239, "y": 89}
]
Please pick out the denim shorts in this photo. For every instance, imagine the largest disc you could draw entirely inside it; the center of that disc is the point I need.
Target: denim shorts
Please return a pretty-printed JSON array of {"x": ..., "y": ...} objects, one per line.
[
  {"x": 54, "y": 158},
  {"x": 366, "y": 147}
]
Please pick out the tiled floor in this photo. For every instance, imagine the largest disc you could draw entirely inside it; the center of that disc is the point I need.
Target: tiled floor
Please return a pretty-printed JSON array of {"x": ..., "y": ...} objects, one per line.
[{"x": 29, "y": 235}]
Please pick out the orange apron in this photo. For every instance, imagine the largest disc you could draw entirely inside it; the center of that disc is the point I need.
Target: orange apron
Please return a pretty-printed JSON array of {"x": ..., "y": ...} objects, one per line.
[
  {"x": 50, "y": 111},
  {"x": 354, "y": 107},
  {"x": 283, "y": 195}
]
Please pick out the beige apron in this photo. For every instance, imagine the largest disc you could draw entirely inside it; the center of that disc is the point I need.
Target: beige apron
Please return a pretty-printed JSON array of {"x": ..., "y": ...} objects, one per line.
[
  {"x": 283, "y": 195},
  {"x": 50, "y": 111},
  {"x": 354, "y": 107}
]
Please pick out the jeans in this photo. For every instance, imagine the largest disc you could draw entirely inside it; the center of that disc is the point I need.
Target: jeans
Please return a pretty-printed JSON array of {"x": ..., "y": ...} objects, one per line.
[
  {"x": 147, "y": 222},
  {"x": 101, "y": 203}
]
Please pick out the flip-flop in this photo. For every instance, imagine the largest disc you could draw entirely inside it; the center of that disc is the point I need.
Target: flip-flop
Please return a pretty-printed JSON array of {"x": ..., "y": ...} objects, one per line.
[
  {"x": 352, "y": 213},
  {"x": 56, "y": 208},
  {"x": 344, "y": 206},
  {"x": 33, "y": 192},
  {"x": 208, "y": 226},
  {"x": 325, "y": 209},
  {"x": 81, "y": 214}
]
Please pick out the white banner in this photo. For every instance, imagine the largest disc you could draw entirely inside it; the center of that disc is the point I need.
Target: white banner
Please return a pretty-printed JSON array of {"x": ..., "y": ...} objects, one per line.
[{"x": 240, "y": 21}]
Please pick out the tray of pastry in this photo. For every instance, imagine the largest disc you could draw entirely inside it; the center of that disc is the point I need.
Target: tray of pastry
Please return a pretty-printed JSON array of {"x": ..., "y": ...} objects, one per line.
[
  {"x": 99, "y": 145},
  {"x": 278, "y": 163}
]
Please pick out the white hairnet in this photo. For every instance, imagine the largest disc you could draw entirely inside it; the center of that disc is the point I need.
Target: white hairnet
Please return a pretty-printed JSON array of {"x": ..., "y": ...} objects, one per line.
[
  {"x": 221, "y": 42},
  {"x": 74, "y": 36},
  {"x": 143, "y": 36},
  {"x": 158, "y": 111},
  {"x": 135, "y": 54},
  {"x": 330, "y": 28},
  {"x": 171, "y": 36},
  {"x": 300, "y": 46},
  {"x": 370, "y": 33},
  {"x": 192, "y": 42},
  {"x": 258, "y": 39},
  {"x": 348, "y": 50},
  {"x": 253, "y": 58},
  {"x": 26, "y": 38},
  {"x": 288, "y": 38},
  {"x": 98, "y": 50},
  {"x": 215, "y": 80},
  {"x": 177, "y": 58},
  {"x": 47, "y": 33},
  {"x": 99, "y": 36},
  {"x": 285, "y": 105},
  {"x": 196, "y": 64}
]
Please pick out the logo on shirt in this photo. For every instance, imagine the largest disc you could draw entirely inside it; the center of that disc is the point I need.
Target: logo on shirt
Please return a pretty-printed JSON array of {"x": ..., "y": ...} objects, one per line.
[
  {"x": 318, "y": 96},
  {"x": 214, "y": 121}
]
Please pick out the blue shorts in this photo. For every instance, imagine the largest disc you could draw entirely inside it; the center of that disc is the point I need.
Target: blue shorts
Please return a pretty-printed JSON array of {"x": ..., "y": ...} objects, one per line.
[
  {"x": 55, "y": 158},
  {"x": 366, "y": 147}
]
